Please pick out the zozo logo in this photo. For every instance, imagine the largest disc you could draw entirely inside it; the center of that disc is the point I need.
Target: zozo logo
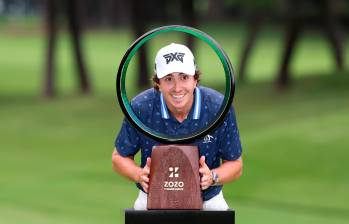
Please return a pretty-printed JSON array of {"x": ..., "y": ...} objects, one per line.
[
  {"x": 173, "y": 185},
  {"x": 173, "y": 171}
]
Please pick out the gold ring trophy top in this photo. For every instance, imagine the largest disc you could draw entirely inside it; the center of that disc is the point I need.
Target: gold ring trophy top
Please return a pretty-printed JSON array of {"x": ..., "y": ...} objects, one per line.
[{"x": 174, "y": 173}]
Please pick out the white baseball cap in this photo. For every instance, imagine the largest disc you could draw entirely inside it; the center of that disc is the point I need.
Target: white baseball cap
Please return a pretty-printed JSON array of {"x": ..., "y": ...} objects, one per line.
[{"x": 174, "y": 58}]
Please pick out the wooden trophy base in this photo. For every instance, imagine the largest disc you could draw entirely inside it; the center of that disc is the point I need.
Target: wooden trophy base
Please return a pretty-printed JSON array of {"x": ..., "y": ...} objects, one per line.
[{"x": 174, "y": 178}]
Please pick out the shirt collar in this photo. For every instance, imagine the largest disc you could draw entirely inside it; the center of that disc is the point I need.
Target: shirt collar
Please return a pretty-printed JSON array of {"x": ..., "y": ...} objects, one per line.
[{"x": 197, "y": 105}]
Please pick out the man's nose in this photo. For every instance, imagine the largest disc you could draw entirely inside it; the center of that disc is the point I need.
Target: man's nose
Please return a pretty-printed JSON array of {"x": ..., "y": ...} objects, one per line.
[{"x": 177, "y": 85}]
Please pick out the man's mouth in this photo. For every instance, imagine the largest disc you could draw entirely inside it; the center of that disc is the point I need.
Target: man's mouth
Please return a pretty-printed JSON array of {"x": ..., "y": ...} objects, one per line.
[{"x": 177, "y": 97}]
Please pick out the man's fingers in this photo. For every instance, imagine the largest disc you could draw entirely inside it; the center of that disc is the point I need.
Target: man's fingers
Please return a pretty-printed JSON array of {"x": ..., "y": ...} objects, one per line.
[
  {"x": 204, "y": 185},
  {"x": 145, "y": 179},
  {"x": 205, "y": 182},
  {"x": 204, "y": 170},
  {"x": 201, "y": 170},
  {"x": 145, "y": 187},
  {"x": 204, "y": 179},
  {"x": 148, "y": 162},
  {"x": 146, "y": 170},
  {"x": 202, "y": 161}
]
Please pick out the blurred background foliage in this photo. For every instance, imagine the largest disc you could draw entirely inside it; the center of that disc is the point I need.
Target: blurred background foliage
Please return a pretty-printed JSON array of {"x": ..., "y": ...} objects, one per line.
[{"x": 59, "y": 115}]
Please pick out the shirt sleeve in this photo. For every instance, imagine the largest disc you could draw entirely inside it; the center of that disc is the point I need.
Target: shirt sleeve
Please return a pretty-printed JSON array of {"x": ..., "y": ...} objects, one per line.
[
  {"x": 127, "y": 141},
  {"x": 230, "y": 145}
]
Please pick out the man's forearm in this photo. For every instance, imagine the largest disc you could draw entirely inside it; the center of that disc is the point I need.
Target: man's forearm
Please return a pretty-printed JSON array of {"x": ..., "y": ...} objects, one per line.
[
  {"x": 126, "y": 166},
  {"x": 229, "y": 171}
]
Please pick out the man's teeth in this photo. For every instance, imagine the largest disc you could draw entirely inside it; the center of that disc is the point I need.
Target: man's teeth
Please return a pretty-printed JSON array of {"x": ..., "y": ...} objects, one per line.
[{"x": 177, "y": 96}]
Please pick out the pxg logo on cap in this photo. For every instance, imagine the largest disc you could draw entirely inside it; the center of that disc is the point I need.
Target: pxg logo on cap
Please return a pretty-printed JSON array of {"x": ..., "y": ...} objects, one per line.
[{"x": 174, "y": 56}]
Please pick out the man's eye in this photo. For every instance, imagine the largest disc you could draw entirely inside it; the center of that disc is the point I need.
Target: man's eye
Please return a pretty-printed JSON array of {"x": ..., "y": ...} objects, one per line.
[
  {"x": 185, "y": 77},
  {"x": 168, "y": 79}
]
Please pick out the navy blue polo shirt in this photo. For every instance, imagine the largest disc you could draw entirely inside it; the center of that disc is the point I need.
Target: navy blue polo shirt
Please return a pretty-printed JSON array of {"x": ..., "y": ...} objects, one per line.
[{"x": 150, "y": 108}]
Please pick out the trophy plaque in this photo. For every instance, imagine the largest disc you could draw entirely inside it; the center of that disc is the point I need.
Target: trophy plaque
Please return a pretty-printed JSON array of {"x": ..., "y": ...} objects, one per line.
[{"x": 175, "y": 182}]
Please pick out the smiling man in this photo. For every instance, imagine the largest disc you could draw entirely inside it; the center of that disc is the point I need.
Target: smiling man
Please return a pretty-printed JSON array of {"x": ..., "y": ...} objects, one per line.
[{"x": 178, "y": 106}]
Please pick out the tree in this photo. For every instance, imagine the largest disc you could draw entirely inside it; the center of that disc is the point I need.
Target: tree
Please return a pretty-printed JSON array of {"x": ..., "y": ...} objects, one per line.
[
  {"x": 142, "y": 13},
  {"x": 74, "y": 26},
  {"x": 299, "y": 14},
  {"x": 296, "y": 21}
]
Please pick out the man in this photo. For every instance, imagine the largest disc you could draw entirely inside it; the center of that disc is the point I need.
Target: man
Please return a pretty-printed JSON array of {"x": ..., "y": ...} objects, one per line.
[{"x": 177, "y": 105}]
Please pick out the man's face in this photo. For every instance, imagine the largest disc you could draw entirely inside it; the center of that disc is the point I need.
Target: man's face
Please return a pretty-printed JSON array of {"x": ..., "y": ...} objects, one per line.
[{"x": 177, "y": 89}]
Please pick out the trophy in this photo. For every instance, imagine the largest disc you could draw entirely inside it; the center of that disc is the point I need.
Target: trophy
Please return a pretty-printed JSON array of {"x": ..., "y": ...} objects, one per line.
[
  {"x": 174, "y": 174},
  {"x": 177, "y": 184}
]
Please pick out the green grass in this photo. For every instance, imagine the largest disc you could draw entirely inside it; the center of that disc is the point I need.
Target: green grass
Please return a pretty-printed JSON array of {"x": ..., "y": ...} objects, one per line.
[{"x": 56, "y": 155}]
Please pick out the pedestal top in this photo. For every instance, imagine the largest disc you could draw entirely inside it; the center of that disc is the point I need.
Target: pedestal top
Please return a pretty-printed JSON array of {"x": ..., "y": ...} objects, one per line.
[{"x": 179, "y": 217}]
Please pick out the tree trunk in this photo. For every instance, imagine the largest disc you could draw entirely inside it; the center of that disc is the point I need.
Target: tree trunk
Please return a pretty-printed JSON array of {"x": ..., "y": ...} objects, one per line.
[
  {"x": 292, "y": 34},
  {"x": 189, "y": 18},
  {"x": 139, "y": 21},
  {"x": 331, "y": 30},
  {"x": 74, "y": 28},
  {"x": 51, "y": 31},
  {"x": 216, "y": 10},
  {"x": 254, "y": 24}
]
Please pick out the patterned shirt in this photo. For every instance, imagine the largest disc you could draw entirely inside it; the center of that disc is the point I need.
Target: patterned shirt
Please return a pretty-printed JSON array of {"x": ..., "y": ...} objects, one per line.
[{"x": 150, "y": 107}]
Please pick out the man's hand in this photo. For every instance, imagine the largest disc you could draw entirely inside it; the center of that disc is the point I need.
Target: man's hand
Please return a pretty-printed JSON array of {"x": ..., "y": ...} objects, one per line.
[
  {"x": 205, "y": 173},
  {"x": 143, "y": 179}
]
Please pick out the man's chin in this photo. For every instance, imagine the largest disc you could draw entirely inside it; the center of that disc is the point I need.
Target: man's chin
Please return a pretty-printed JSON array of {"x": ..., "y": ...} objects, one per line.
[
  {"x": 178, "y": 108},
  {"x": 178, "y": 105}
]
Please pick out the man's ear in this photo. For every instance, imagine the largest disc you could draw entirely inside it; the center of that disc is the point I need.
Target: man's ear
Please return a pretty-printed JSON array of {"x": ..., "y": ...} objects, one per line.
[{"x": 157, "y": 85}]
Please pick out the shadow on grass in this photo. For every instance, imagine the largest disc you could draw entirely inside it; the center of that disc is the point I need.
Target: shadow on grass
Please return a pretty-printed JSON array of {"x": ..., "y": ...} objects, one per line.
[{"x": 17, "y": 99}]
